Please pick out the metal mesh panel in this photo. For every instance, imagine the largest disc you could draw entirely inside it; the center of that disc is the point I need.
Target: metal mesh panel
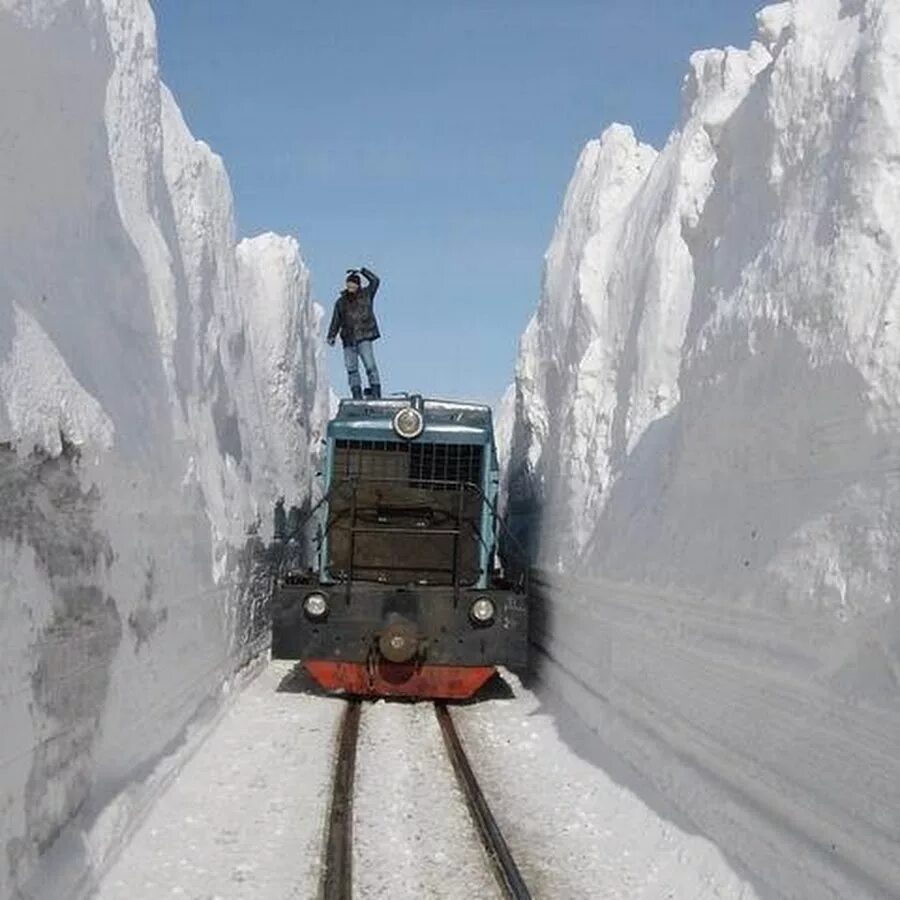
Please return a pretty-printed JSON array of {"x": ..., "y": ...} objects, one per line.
[
  {"x": 420, "y": 464},
  {"x": 402, "y": 512},
  {"x": 454, "y": 463},
  {"x": 371, "y": 460}
]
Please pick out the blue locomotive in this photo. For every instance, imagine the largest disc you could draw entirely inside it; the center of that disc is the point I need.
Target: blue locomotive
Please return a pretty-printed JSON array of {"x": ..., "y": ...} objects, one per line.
[{"x": 404, "y": 599}]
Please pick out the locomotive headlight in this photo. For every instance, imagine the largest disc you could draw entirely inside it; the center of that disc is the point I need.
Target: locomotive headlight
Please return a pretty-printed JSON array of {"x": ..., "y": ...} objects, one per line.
[
  {"x": 482, "y": 611},
  {"x": 408, "y": 423},
  {"x": 315, "y": 606}
]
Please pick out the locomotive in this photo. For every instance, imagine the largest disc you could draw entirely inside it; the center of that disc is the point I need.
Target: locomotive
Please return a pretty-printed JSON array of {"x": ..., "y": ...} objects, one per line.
[{"x": 404, "y": 599}]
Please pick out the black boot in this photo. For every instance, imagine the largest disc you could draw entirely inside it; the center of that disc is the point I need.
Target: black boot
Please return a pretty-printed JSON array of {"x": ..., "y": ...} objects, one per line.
[
  {"x": 356, "y": 392},
  {"x": 375, "y": 391}
]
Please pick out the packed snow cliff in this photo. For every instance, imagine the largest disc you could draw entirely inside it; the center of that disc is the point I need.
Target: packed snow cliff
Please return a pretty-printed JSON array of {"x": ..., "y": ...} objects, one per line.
[
  {"x": 707, "y": 429},
  {"x": 160, "y": 384}
]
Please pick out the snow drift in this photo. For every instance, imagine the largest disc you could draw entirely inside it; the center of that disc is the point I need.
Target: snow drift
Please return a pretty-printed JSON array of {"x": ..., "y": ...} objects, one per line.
[
  {"x": 159, "y": 385},
  {"x": 706, "y": 446}
]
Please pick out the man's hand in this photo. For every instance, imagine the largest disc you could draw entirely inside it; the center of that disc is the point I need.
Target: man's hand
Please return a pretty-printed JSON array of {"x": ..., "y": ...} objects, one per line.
[{"x": 331, "y": 342}]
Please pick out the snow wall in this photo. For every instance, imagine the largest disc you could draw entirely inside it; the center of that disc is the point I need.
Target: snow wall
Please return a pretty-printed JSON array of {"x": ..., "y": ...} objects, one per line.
[
  {"x": 159, "y": 385},
  {"x": 706, "y": 450}
]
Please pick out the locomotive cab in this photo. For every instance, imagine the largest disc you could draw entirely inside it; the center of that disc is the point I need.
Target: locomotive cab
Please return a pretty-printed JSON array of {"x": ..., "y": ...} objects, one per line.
[{"x": 403, "y": 599}]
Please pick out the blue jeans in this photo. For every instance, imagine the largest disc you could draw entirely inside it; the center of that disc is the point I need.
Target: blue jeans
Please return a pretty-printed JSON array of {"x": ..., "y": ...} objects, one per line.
[{"x": 352, "y": 354}]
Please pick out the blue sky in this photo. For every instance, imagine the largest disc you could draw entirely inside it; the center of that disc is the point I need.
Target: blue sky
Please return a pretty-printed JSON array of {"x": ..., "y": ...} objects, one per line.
[{"x": 431, "y": 140}]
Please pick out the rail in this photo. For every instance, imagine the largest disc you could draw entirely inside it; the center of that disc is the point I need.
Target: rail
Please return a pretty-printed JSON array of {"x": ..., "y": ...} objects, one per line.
[
  {"x": 336, "y": 882},
  {"x": 337, "y": 870},
  {"x": 505, "y": 869}
]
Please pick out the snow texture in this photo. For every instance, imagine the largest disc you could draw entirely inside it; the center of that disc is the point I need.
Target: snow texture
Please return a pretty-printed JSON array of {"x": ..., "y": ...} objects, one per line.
[
  {"x": 504, "y": 422},
  {"x": 705, "y": 449},
  {"x": 244, "y": 820},
  {"x": 574, "y": 829},
  {"x": 413, "y": 835},
  {"x": 160, "y": 384}
]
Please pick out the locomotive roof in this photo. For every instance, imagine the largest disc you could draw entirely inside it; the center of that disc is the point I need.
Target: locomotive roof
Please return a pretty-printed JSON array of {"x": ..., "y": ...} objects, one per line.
[
  {"x": 446, "y": 421},
  {"x": 436, "y": 412}
]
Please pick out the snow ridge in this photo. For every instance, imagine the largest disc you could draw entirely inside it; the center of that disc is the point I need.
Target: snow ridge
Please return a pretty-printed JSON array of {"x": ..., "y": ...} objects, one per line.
[
  {"x": 708, "y": 424},
  {"x": 160, "y": 385}
]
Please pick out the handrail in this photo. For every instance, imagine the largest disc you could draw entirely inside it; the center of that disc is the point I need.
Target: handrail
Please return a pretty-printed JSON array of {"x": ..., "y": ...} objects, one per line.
[
  {"x": 420, "y": 484},
  {"x": 425, "y": 484}
]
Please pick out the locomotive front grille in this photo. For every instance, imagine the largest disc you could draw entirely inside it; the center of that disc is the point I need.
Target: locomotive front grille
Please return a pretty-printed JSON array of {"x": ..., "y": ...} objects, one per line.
[
  {"x": 447, "y": 464},
  {"x": 410, "y": 512},
  {"x": 435, "y": 466}
]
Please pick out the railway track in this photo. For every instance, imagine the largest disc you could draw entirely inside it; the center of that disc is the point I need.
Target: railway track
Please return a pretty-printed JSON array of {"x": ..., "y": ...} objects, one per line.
[{"x": 337, "y": 872}]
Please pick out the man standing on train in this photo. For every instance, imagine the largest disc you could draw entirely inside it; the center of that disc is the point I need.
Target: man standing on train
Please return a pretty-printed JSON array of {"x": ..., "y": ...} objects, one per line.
[{"x": 354, "y": 319}]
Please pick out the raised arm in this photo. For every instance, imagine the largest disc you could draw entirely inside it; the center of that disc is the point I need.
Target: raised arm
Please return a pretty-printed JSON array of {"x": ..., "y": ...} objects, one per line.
[{"x": 373, "y": 280}]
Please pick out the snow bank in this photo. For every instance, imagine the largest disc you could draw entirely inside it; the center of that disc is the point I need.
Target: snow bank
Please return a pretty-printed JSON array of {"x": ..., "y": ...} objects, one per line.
[
  {"x": 504, "y": 422},
  {"x": 159, "y": 386},
  {"x": 704, "y": 456}
]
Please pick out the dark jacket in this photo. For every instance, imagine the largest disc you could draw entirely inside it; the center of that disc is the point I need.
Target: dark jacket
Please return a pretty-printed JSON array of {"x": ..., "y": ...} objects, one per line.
[{"x": 354, "y": 314}]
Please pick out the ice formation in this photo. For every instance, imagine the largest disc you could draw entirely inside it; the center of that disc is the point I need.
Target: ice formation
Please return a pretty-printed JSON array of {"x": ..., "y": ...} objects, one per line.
[
  {"x": 706, "y": 441},
  {"x": 160, "y": 384}
]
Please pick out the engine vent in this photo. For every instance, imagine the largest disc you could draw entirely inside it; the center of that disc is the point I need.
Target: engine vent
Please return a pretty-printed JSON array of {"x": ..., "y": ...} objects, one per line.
[{"x": 423, "y": 465}]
